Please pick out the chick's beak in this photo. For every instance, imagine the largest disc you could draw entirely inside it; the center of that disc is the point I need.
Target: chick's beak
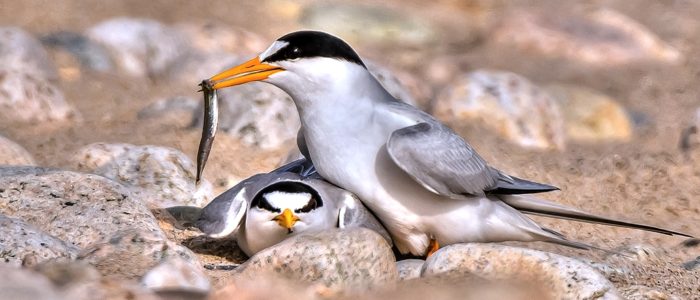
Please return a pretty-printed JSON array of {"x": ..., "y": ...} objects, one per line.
[
  {"x": 286, "y": 219},
  {"x": 252, "y": 70}
]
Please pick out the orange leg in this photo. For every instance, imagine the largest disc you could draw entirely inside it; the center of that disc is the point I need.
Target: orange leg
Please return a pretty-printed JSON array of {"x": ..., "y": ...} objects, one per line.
[{"x": 433, "y": 247}]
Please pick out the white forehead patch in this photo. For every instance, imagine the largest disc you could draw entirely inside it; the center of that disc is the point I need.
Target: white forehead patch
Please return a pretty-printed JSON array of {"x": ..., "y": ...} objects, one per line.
[
  {"x": 276, "y": 46},
  {"x": 284, "y": 200}
]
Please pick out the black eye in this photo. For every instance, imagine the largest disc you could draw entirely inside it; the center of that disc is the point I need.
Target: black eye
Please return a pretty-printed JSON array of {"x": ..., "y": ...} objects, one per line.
[{"x": 313, "y": 204}]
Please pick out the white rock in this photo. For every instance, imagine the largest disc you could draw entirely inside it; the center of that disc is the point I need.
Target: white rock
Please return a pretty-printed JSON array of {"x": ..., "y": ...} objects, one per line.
[
  {"x": 20, "y": 51},
  {"x": 561, "y": 277},
  {"x": 21, "y": 284},
  {"x": 13, "y": 154},
  {"x": 176, "y": 274},
  {"x": 141, "y": 47},
  {"x": 507, "y": 103},
  {"x": 162, "y": 176},
  {"x": 28, "y": 97}
]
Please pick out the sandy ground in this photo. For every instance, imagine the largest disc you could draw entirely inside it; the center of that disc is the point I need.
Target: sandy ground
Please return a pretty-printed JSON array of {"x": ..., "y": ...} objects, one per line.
[{"x": 646, "y": 180}]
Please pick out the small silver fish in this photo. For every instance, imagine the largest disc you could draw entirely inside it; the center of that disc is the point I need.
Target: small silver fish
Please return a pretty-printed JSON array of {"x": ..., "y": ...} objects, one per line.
[{"x": 211, "y": 121}]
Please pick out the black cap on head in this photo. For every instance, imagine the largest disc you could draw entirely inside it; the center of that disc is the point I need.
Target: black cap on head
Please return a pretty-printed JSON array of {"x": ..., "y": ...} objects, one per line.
[
  {"x": 307, "y": 44},
  {"x": 290, "y": 187}
]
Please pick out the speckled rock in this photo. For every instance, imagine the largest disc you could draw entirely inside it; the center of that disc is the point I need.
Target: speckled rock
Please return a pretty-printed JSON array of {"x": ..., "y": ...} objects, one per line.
[
  {"x": 177, "y": 274},
  {"x": 20, "y": 51},
  {"x": 162, "y": 176},
  {"x": 365, "y": 23},
  {"x": 507, "y": 103},
  {"x": 601, "y": 37},
  {"x": 562, "y": 277},
  {"x": 390, "y": 82},
  {"x": 257, "y": 113},
  {"x": 84, "y": 208},
  {"x": 212, "y": 37},
  {"x": 141, "y": 47},
  {"x": 351, "y": 259},
  {"x": 22, "y": 284},
  {"x": 77, "y": 280},
  {"x": 27, "y": 97},
  {"x": 590, "y": 116},
  {"x": 130, "y": 254},
  {"x": 409, "y": 268},
  {"x": 19, "y": 241},
  {"x": 13, "y": 154}
]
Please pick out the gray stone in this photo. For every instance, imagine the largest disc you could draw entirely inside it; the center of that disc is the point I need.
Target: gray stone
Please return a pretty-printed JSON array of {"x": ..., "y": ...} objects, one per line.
[
  {"x": 561, "y": 277},
  {"x": 27, "y": 97},
  {"x": 351, "y": 259},
  {"x": 162, "y": 176},
  {"x": 508, "y": 104},
  {"x": 409, "y": 268},
  {"x": 601, "y": 37},
  {"x": 13, "y": 154},
  {"x": 259, "y": 114},
  {"x": 77, "y": 208},
  {"x": 20, "y": 242},
  {"x": 591, "y": 116},
  {"x": 22, "y": 284},
  {"x": 20, "y": 51},
  {"x": 141, "y": 47},
  {"x": 130, "y": 254},
  {"x": 89, "y": 53},
  {"x": 366, "y": 23},
  {"x": 177, "y": 274}
]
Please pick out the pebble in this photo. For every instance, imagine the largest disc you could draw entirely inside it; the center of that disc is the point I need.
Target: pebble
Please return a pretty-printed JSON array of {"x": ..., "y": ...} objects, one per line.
[
  {"x": 20, "y": 51},
  {"x": 177, "y": 274},
  {"x": 84, "y": 208},
  {"x": 26, "y": 97},
  {"x": 368, "y": 24},
  {"x": 141, "y": 47},
  {"x": 166, "y": 106},
  {"x": 340, "y": 260},
  {"x": 21, "y": 242},
  {"x": 13, "y": 154},
  {"x": 601, "y": 37},
  {"x": 591, "y": 116},
  {"x": 133, "y": 253},
  {"x": 409, "y": 268},
  {"x": 162, "y": 176},
  {"x": 561, "y": 277},
  {"x": 213, "y": 37},
  {"x": 89, "y": 53},
  {"x": 507, "y": 103}
]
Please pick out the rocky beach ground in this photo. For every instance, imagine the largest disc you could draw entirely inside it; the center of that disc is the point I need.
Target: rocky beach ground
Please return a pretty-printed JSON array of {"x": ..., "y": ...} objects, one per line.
[{"x": 100, "y": 121}]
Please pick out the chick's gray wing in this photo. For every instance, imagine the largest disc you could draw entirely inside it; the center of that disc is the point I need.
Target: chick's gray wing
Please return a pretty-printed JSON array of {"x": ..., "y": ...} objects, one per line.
[{"x": 440, "y": 160}]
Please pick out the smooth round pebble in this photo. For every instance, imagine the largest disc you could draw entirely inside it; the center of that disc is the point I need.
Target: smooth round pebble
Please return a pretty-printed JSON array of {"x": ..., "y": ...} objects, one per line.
[
  {"x": 409, "y": 268},
  {"x": 13, "y": 154}
]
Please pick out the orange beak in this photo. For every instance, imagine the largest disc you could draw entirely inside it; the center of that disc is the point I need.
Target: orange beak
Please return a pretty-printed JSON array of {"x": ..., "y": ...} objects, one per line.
[
  {"x": 286, "y": 219},
  {"x": 252, "y": 70}
]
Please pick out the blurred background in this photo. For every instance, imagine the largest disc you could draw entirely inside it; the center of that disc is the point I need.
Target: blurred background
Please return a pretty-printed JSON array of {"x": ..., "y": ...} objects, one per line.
[{"x": 599, "y": 98}]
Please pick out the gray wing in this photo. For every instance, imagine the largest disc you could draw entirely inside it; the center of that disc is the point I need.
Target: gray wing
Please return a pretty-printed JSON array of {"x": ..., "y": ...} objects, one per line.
[
  {"x": 353, "y": 214},
  {"x": 301, "y": 144},
  {"x": 440, "y": 160},
  {"x": 223, "y": 215}
]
